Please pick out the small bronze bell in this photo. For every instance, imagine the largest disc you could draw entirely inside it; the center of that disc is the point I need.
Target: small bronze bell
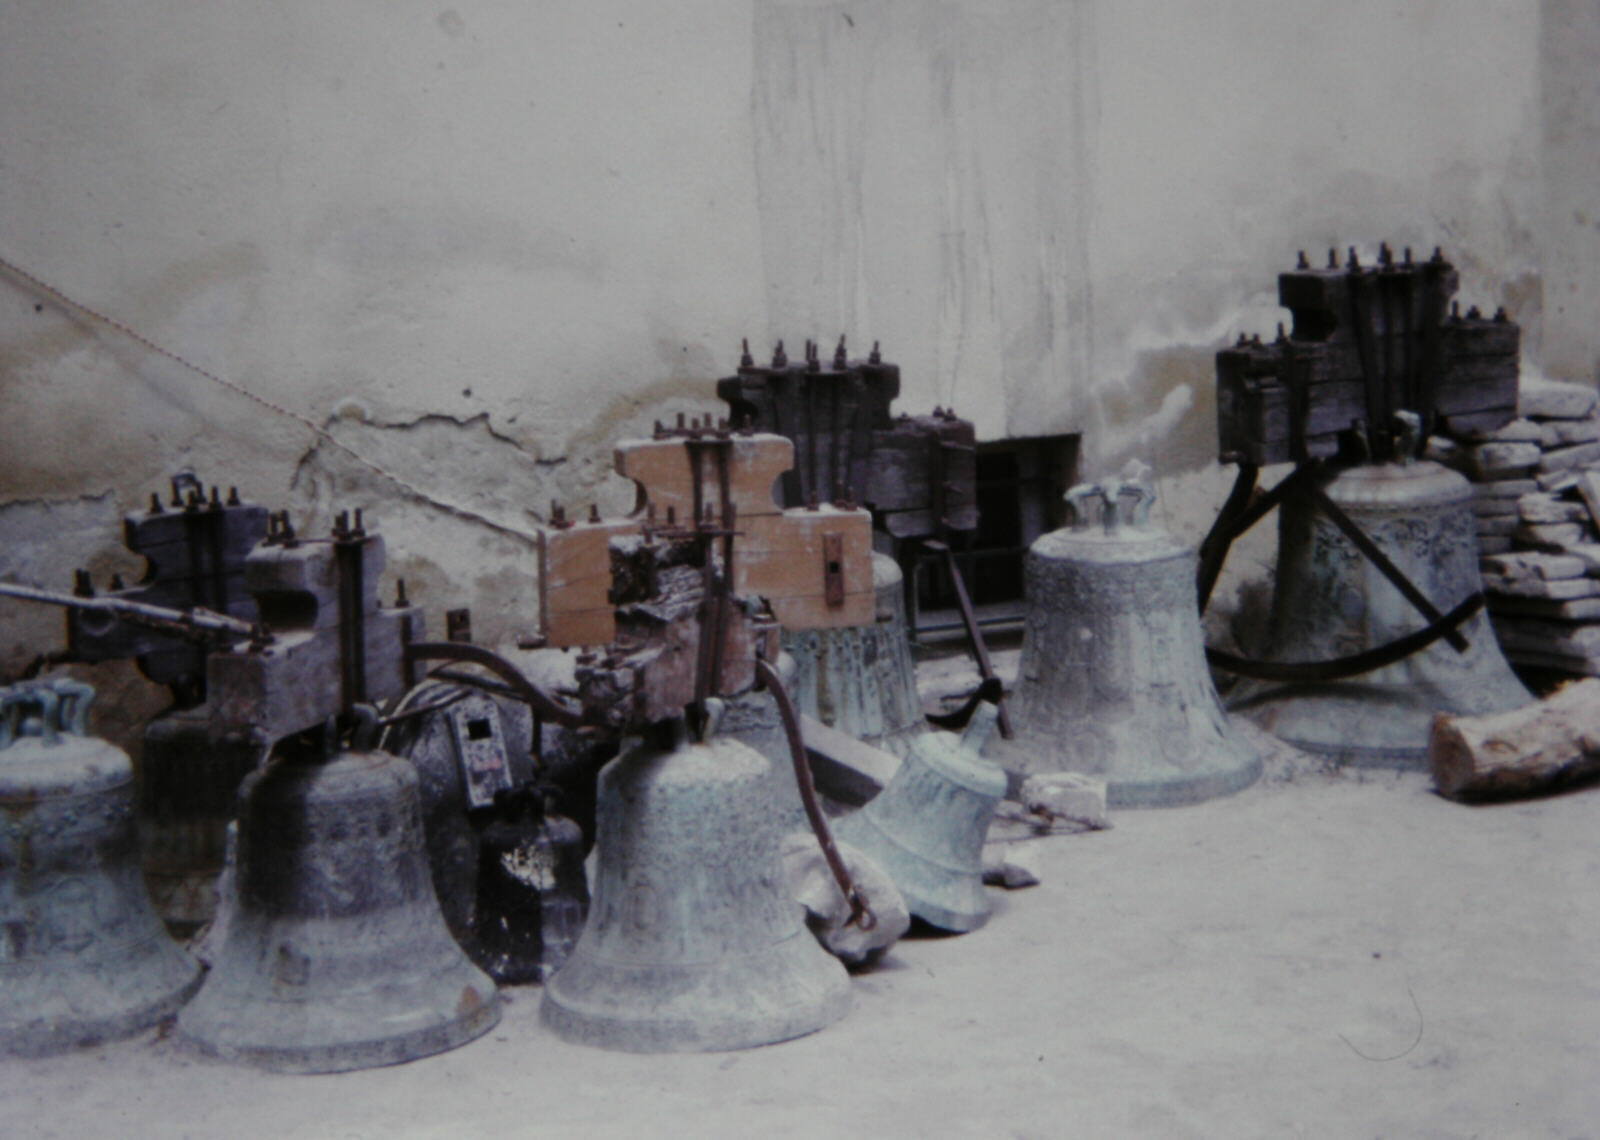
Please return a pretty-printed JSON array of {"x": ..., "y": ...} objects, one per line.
[
  {"x": 1113, "y": 679},
  {"x": 927, "y": 827},
  {"x": 693, "y": 941},
  {"x": 335, "y": 955},
  {"x": 532, "y": 895},
  {"x": 860, "y": 679},
  {"x": 83, "y": 957}
]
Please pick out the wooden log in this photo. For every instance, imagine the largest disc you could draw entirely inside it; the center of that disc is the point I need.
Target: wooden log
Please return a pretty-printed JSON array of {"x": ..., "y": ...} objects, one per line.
[{"x": 1531, "y": 749}]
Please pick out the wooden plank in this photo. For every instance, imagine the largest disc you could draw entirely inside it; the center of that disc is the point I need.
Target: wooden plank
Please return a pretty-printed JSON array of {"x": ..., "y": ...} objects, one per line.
[{"x": 661, "y": 468}]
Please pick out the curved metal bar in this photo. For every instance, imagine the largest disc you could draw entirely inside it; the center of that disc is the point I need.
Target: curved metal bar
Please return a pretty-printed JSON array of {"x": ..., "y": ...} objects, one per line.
[
  {"x": 860, "y": 913},
  {"x": 1214, "y": 550},
  {"x": 524, "y": 689},
  {"x": 1309, "y": 672}
]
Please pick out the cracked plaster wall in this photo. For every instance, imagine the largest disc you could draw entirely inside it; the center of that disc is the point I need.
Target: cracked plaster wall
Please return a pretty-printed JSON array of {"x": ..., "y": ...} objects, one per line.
[{"x": 478, "y": 243}]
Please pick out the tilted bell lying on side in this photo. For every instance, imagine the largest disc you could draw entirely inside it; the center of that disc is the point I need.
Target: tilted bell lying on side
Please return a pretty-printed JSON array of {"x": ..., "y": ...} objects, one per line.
[{"x": 927, "y": 827}]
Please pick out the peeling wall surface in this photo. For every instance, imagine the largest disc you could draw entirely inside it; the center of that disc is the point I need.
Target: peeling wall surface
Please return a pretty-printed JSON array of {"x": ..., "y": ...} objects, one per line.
[{"x": 478, "y": 243}]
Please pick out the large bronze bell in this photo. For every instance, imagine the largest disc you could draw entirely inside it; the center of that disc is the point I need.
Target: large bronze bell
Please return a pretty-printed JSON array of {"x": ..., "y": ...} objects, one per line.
[
  {"x": 693, "y": 941},
  {"x": 1330, "y": 601},
  {"x": 860, "y": 679},
  {"x": 927, "y": 827},
  {"x": 335, "y": 956},
  {"x": 83, "y": 957},
  {"x": 1113, "y": 679}
]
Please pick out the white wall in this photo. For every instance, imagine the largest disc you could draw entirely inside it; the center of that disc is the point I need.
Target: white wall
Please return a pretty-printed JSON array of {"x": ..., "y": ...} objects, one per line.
[{"x": 480, "y": 242}]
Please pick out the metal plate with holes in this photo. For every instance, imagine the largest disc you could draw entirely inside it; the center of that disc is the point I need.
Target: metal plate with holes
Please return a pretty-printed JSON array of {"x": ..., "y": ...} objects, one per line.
[{"x": 481, "y": 749}]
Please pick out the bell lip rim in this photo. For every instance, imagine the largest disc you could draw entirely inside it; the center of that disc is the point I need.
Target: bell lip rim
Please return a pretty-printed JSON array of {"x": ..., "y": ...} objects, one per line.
[{"x": 451, "y": 1033}]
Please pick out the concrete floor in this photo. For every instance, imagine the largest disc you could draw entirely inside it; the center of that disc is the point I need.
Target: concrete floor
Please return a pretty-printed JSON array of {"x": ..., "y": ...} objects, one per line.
[{"x": 1322, "y": 956}]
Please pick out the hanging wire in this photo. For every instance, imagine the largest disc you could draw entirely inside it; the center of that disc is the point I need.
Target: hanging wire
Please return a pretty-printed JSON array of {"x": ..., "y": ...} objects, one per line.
[{"x": 321, "y": 433}]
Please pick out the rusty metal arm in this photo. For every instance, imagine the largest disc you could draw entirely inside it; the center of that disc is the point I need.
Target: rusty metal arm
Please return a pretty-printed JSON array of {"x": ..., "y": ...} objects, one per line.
[
  {"x": 522, "y": 688},
  {"x": 860, "y": 913}
]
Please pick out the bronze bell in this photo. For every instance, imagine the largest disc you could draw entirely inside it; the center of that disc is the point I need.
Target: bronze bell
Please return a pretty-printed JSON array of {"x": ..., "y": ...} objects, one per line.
[
  {"x": 860, "y": 679},
  {"x": 927, "y": 827},
  {"x": 693, "y": 941},
  {"x": 83, "y": 957},
  {"x": 1113, "y": 679},
  {"x": 1331, "y": 601},
  {"x": 531, "y": 893},
  {"x": 335, "y": 955}
]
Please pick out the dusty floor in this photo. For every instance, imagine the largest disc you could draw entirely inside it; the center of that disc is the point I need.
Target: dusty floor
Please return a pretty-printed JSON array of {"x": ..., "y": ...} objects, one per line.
[{"x": 1327, "y": 956}]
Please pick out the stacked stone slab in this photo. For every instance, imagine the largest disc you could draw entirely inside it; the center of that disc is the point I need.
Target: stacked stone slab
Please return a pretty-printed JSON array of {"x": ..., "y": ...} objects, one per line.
[{"x": 1537, "y": 501}]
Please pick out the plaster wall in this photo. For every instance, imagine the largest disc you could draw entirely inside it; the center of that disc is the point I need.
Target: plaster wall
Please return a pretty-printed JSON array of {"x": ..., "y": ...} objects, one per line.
[{"x": 475, "y": 244}]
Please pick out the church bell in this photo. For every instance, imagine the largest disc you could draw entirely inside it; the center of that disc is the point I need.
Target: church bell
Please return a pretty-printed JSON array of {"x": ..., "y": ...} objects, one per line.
[
  {"x": 927, "y": 827},
  {"x": 83, "y": 957},
  {"x": 693, "y": 941},
  {"x": 1113, "y": 679},
  {"x": 860, "y": 679},
  {"x": 336, "y": 956},
  {"x": 1332, "y": 600}
]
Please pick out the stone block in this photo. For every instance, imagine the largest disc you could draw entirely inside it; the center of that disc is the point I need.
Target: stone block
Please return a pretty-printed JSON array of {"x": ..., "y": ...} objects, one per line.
[
  {"x": 1502, "y": 460},
  {"x": 1589, "y": 552},
  {"x": 1550, "y": 567},
  {"x": 1548, "y": 536},
  {"x": 1544, "y": 507},
  {"x": 1556, "y": 482},
  {"x": 1555, "y": 399},
  {"x": 1588, "y": 485},
  {"x": 1570, "y": 458},
  {"x": 1495, "y": 508},
  {"x": 1503, "y": 489},
  {"x": 1539, "y": 636},
  {"x": 1561, "y": 433},
  {"x": 1562, "y": 589},
  {"x": 1517, "y": 431},
  {"x": 1068, "y": 796},
  {"x": 1010, "y": 865},
  {"x": 1579, "y": 609}
]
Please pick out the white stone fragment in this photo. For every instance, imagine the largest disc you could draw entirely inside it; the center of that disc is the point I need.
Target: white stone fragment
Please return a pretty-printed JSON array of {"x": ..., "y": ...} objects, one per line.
[
  {"x": 1550, "y": 567},
  {"x": 1543, "y": 507},
  {"x": 1570, "y": 458},
  {"x": 1517, "y": 431},
  {"x": 1548, "y": 536},
  {"x": 1010, "y": 865},
  {"x": 1068, "y": 796},
  {"x": 1489, "y": 460},
  {"x": 1555, "y": 399},
  {"x": 811, "y": 882},
  {"x": 1560, "y": 433}
]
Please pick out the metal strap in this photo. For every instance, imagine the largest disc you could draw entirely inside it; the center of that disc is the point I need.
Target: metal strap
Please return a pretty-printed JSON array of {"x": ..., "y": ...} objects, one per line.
[{"x": 1308, "y": 672}]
